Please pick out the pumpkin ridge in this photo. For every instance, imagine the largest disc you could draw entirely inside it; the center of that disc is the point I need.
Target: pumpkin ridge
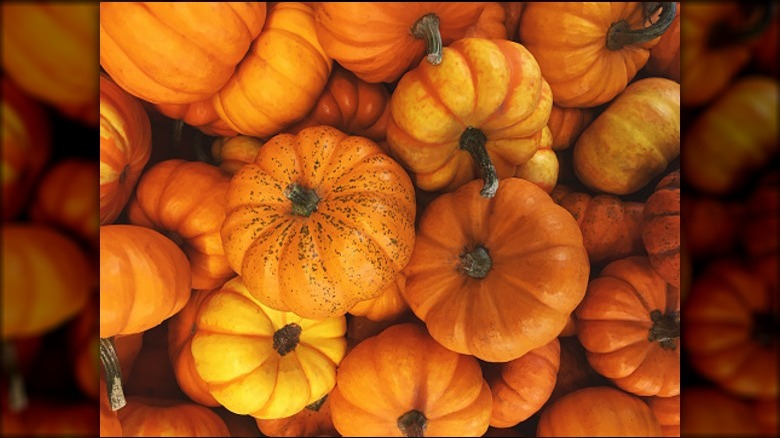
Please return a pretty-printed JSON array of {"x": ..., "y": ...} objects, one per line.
[
  {"x": 645, "y": 348},
  {"x": 370, "y": 237},
  {"x": 432, "y": 91}
]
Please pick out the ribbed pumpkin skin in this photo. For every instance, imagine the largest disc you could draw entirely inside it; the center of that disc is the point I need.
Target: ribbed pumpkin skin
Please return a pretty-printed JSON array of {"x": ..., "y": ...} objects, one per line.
[
  {"x": 200, "y": 114},
  {"x": 232, "y": 153},
  {"x": 281, "y": 77},
  {"x": 667, "y": 411},
  {"x": 661, "y": 228},
  {"x": 355, "y": 242},
  {"x": 234, "y": 346},
  {"x": 539, "y": 270},
  {"x": 176, "y": 52},
  {"x": 404, "y": 369},
  {"x": 314, "y": 420},
  {"x": 566, "y": 125},
  {"x": 373, "y": 40},
  {"x": 598, "y": 411},
  {"x": 145, "y": 416},
  {"x": 589, "y": 74},
  {"x": 494, "y": 86},
  {"x": 614, "y": 325},
  {"x": 125, "y": 147}
]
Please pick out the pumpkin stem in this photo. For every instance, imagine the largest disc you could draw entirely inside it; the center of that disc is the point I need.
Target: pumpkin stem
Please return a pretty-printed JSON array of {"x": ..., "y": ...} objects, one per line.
[
  {"x": 178, "y": 129},
  {"x": 318, "y": 404},
  {"x": 477, "y": 262},
  {"x": 412, "y": 423},
  {"x": 473, "y": 141},
  {"x": 110, "y": 361},
  {"x": 427, "y": 28},
  {"x": 738, "y": 32},
  {"x": 665, "y": 329},
  {"x": 17, "y": 395},
  {"x": 304, "y": 200},
  {"x": 287, "y": 338},
  {"x": 620, "y": 34}
]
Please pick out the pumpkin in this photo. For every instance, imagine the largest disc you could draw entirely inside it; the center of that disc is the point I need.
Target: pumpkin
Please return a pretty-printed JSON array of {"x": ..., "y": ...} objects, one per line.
[
  {"x": 513, "y": 11},
  {"x": 26, "y": 146},
  {"x": 127, "y": 349},
  {"x": 186, "y": 200},
  {"x": 566, "y": 125},
  {"x": 496, "y": 278},
  {"x": 388, "y": 305},
  {"x": 667, "y": 411},
  {"x": 68, "y": 198},
  {"x": 281, "y": 77},
  {"x": 710, "y": 412},
  {"x": 231, "y": 153},
  {"x": 664, "y": 58},
  {"x": 47, "y": 279},
  {"x": 84, "y": 348},
  {"x": 351, "y": 105},
  {"x": 598, "y": 411},
  {"x": 125, "y": 147},
  {"x": 520, "y": 387},
  {"x": 360, "y": 328},
  {"x": 176, "y": 53},
  {"x": 319, "y": 222},
  {"x": 629, "y": 325},
  {"x": 589, "y": 52},
  {"x": 737, "y": 134},
  {"x": 730, "y": 321},
  {"x": 379, "y": 42},
  {"x": 403, "y": 383},
  {"x": 574, "y": 371},
  {"x": 633, "y": 140},
  {"x": 542, "y": 168},
  {"x": 611, "y": 228},
  {"x": 765, "y": 412},
  {"x": 49, "y": 50},
  {"x": 759, "y": 231},
  {"x": 314, "y": 420},
  {"x": 239, "y": 425},
  {"x": 661, "y": 228},
  {"x": 711, "y": 225},
  {"x": 200, "y": 114},
  {"x": 570, "y": 329},
  {"x": 145, "y": 416},
  {"x": 480, "y": 113},
  {"x": 241, "y": 347}
]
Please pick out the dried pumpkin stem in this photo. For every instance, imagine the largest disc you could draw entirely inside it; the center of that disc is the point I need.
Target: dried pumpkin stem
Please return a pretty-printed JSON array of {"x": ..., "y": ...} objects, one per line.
[
  {"x": 665, "y": 329},
  {"x": 318, "y": 404},
  {"x": 620, "y": 33},
  {"x": 427, "y": 28},
  {"x": 726, "y": 33},
  {"x": 473, "y": 141},
  {"x": 17, "y": 395},
  {"x": 412, "y": 423},
  {"x": 110, "y": 361},
  {"x": 304, "y": 200},
  {"x": 287, "y": 338},
  {"x": 476, "y": 263}
]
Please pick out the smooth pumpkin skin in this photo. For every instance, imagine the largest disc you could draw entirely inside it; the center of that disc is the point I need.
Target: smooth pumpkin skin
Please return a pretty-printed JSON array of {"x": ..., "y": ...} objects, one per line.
[
  {"x": 235, "y": 349},
  {"x": 539, "y": 270},
  {"x": 633, "y": 140},
  {"x": 200, "y": 114},
  {"x": 737, "y": 133},
  {"x": 542, "y": 168},
  {"x": 404, "y": 369},
  {"x": 614, "y": 326},
  {"x": 47, "y": 279},
  {"x": 314, "y": 420},
  {"x": 388, "y": 305},
  {"x": 664, "y": 58},
  {"x": 494, "y": 86},
  {"x": 712, "y": 412},
  {"x": 667, "y": 411},
  {"x": 598, "y": 411},
  {"x": 566, "y": 125},
  {"x": 281, "y": 76},
  {"x": 144, "y": 279},
  {"x": 360, "y": 236},
  {"x": 146, "y": 416},
  {"x": 568, "y": 40},
  {"x": 724, "y": 335},
  {"x": 26, "y": 141},
  {"x": 125, "y": 147},
  {"x": 661, "y": 228},
  {"x": 174, "y": 52},
  {"x": 187, "y": 200},
  {"x": 374, "y": 41},
  {"x": 231, "y": 153}
]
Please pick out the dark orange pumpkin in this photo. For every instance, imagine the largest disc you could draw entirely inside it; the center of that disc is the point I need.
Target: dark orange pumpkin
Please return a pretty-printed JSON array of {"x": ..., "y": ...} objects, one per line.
[
  {"x": 667, "y": 411},
  {"x": 574, "y": 371},
  {"x": 145, "y": 416},
  {"x": 661, "y": 228},
  {"x": 314, "y": 420},
  {"x": 766, "y": 415},
  {"x": 711, "y": 225},
  {"x": 759, "y": 231}
]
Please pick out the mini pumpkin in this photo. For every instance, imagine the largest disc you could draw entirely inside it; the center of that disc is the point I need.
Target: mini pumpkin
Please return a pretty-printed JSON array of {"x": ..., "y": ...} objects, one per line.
[
  {"x": 566, "y": 125},
  {"x": 200, "y": 114},
  {"x": 231, "y": 153},
  {"x": 315, "y": 420},
  {"x": 667, "y": 411},
  {"x": 388, "y": 305},
  {"x": 145, "y": 416},
  {"x": 661, "y": 228}
]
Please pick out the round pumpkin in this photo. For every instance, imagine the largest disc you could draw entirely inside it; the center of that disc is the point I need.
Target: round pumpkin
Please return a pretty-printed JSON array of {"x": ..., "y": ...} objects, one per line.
[
  {"x": 566, "y": 125},
  {"x": 633, "y": 140},
  {"x": 314, "y": 420},
  {"x": 629, "y": 325},
  {"x": 403, "y": 383},
  {"x": 319, "y": 222},
  {"x": 542, "y": 168},
  {"x": 231, "y": 153},
  {"x": 482, "y": 112},
  {"x": 710, "y": 412},
  {"x": 667, "y": 411},
  {"x": 664, "y": 58},
  {"x": 388, "y": 305},
  {"x": 496, "y": 278},
  {"x": 144, "y": 416},
  {"x": 661, "y": 228},
  {"x": 263, "y": 362}
]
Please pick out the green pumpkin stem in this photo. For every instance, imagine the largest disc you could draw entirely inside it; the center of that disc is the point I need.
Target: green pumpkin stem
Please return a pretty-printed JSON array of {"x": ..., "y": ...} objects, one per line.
[
  {"x": 304, "y": 200},
  {"x": 621, "y": 35},
  {"x": 476, "y": 263},
  {"x": 473, "y": 141},
  {"x": 412, "y": 423},
  {"x": 665, "y": 329},
  {"x": 287, "y": 338},
  {"x": 427, "y": 28},
  {"x": 17, "y": 395},
  {"x": 110, "y": 361},
  {"x": 726, "y": 33}
]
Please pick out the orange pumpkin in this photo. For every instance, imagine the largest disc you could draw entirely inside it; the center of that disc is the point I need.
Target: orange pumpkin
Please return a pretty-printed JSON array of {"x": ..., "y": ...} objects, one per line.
[
  {"x": 176, "y": 53},
  {"x": 664, "y": 58},
  {"x": 667, "y": 411},
  {"x": 566, "y": 125},
  {"x": 449, "y": 125},
  {"x": 200, "y": 114},
  {"x": 710, "y": 412},
  {"x": 314, "y": 420},
  {"x": 765, "y": 412},
  {"x": 598, "y": 411},
  {"x": 661, "y": 228},
  {"x": 496, "y": 278},
  {"x": 144, "y": 416},
  {"x": 542, "y": 168},
  {"x": 84, "y": 348},
  {"x": 629, "y": 324},
  {"x": 388, "y": 305},
  {"x": 231, "y": 153},
  {"x": 125, "y": 147},
  {"x": 403, "y": 383},
  {"x": 153, "y": 374},
  {"x": 319, "y": 222},
  {"x": 379, "y": 42},
  {"x": 589, "y": 52},
  {"x": 186, "y": 201}
]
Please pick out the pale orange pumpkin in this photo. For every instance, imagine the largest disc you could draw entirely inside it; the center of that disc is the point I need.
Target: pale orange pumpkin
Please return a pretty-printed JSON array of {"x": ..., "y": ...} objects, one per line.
[{"x": 231, "y": 153}]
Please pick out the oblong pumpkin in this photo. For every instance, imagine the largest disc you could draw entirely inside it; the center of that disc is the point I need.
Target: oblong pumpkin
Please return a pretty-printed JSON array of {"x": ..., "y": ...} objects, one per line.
[{"x": 320, "y": 221}]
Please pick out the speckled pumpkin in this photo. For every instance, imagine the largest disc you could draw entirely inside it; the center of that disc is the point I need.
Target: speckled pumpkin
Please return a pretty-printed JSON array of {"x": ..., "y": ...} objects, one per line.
[{"x": 661, "y": 228}]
